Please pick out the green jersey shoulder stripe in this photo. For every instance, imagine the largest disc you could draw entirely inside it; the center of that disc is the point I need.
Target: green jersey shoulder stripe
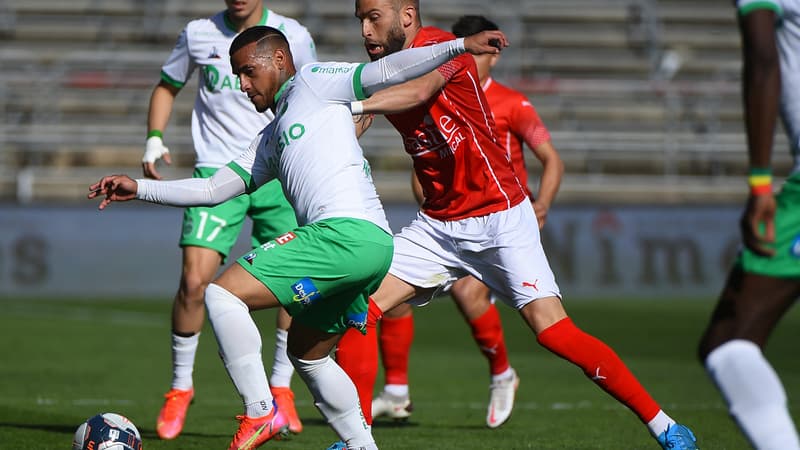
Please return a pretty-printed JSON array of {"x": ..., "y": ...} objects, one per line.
[
  {"x": 245, "y": 175},
  {"x": 171, "y": 81},
  {"x": 747, "y": 9},
  {"x": 358, "y": 88}
]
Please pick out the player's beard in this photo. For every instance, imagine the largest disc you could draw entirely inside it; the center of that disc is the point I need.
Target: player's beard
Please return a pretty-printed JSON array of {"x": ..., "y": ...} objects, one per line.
[{"x": 395, "y": 40}]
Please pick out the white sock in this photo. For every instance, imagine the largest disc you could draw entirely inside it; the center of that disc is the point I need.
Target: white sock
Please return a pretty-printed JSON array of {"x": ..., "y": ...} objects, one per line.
[
  {"x": 660, "y": 423},
  {"x": 336, "y": 398},
  {"x": 754, "y": 393},
  {"x": 240, "y": 348},
  {"x": 398, "y": 390},
  {"x": 183, "y": 351},
  {"x": 282, "y": 369},
  {"x": 504, "y": 375}
]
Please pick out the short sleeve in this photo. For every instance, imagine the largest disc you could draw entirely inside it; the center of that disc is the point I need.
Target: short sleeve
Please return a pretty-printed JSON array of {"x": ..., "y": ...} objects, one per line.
[
  {"x": 747, "y": 6},
  {"x": 179, "y": 66},
  {"x": 450, "y": 68},
  {"x": 526, "y": 123}
]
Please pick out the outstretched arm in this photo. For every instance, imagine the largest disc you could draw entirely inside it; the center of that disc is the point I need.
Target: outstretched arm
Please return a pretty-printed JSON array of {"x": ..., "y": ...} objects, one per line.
[
  {"x": 224, "y": 185},
  {"x": 761, "y": 84},
  {"x": 413, "y": 63}
]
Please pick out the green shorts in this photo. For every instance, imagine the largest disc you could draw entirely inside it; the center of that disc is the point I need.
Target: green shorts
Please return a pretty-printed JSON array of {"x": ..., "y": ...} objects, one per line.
[
  {"x": 323, "y": 273},
  {"x": 218, "y": 227},
  {"x": 786, "y": 261}
]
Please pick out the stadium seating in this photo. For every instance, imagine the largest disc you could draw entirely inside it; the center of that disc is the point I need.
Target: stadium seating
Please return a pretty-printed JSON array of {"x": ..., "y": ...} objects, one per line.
[{"x": 638, "y": 94}]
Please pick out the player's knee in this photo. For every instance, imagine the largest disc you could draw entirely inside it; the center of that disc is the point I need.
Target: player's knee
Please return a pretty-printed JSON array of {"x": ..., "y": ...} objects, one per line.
[
  {"x": 399, "y": 311},
  {"x": 219, "y": 300},
  {"x": 193, "y": 288},
  {"x": 703, "y": 349}
]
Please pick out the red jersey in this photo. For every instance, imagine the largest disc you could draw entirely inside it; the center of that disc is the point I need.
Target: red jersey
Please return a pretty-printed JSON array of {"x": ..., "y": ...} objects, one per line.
[
  {"x": 462, "y": 167},
  {"x": 516, "y": 122}
]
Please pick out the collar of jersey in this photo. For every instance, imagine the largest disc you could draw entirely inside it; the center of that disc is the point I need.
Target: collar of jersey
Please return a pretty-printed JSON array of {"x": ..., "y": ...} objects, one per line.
[
  {"x": 232, "y": 27},
  {"x": 283, "y": 88}
]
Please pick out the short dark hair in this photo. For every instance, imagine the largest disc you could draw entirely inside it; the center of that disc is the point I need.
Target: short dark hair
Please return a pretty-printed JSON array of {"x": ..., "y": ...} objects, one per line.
[
  {"x": 471, "y": 24},
  {"x": 260, "y": 34}
]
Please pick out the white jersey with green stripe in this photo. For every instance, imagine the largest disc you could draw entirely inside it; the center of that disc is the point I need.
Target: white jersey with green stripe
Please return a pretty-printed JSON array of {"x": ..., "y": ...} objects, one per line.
[
  {"x": 788, "y": 41},
  {"x": 224, "y": 120},
  {"x": 311, "y": 147}
]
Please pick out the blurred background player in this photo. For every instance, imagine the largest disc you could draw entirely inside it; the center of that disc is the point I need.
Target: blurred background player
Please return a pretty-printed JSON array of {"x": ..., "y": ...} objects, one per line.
[
  {"x": 476, "y": 219},
  {"x": 765, "y": 279},
  {"x": 223, "y": 124},
  {"x": 516, "y": 123}
]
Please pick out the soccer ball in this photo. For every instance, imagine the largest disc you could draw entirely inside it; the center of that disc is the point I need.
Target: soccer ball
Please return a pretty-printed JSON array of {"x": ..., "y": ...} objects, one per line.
[{"x": 107, "y": 431}]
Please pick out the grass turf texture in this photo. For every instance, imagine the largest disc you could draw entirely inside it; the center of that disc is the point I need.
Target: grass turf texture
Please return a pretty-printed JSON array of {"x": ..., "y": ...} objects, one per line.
[{"x": 64, "y": 361}]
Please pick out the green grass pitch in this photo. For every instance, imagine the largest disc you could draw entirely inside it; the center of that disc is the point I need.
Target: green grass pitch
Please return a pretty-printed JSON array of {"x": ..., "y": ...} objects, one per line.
[{"x": 65, "y": 360}]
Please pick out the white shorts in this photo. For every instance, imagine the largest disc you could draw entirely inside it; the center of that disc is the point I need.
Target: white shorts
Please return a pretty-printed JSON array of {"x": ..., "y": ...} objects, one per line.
[{"x": 501, "y": 249}]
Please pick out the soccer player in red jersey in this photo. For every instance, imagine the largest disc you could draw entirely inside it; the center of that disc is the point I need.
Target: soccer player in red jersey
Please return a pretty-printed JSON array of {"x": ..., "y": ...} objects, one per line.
[
  {"x": 476, "y": 218},
  {"x": 516, "y": 123}
]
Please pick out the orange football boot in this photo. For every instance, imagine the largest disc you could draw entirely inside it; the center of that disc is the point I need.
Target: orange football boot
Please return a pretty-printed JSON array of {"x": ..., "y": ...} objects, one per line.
[
  {"x": 253, "y": 432},
  {"x": 173, "y": 413},
  {"x": 284, "y": 398}
]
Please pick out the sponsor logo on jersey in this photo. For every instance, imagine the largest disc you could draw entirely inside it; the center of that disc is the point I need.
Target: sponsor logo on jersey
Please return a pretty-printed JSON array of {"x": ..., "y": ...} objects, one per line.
[
  {"x": 214, "y": 54},
  {"x": 214, "y": 82},
  {"x": 250, "y": 257},
  {"x": 443, "y": 138},
  {"x": 285, "y": 238},
  {"x": 794, "y": 249},
  {"x": 279, "y": 140},
  {"x": 328, "y": 70},
  {"x": 305, "y": 292},
  {"x": 290, "y": 134},
  {"x": 268, "y": 245},
  {"x": 357, "y": 321}
]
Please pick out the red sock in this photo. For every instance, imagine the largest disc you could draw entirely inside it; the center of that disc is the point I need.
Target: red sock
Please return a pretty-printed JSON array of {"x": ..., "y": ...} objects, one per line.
[
  {"x": 357, "y": 354},
  {"x": 395, "y": 340},
  {"x": 600, "y": 364},
  {"x": 488, "y": 333}
]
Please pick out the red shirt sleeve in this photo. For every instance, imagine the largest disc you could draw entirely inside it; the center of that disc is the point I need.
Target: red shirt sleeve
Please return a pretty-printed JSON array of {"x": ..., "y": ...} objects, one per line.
[{"x": 526, "y": 123}]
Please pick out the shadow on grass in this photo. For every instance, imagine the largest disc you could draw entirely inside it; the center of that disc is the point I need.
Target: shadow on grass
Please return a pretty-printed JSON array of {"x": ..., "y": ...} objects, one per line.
[
  {"x": 394, "y": 424},
  {"x": 151, "y": 434},
  {"x": 147, "y": 434},
  {"x": 42, "y": 427},
  {"x": 376, "y": 424}
]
